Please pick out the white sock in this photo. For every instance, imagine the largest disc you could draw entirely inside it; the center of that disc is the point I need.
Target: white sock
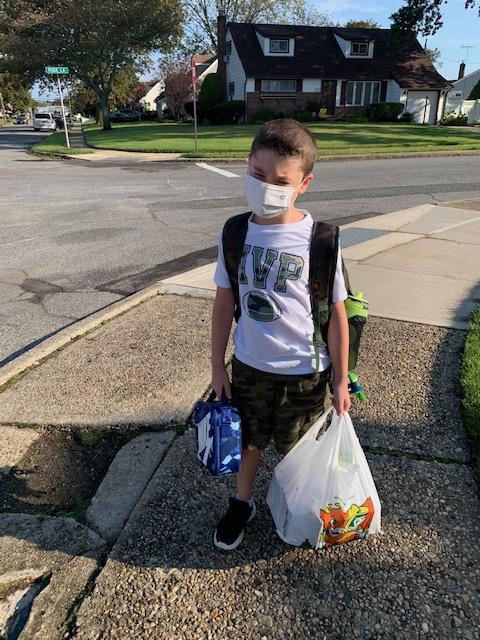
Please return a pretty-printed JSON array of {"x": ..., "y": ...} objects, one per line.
[{"x": 250, "y": 502}]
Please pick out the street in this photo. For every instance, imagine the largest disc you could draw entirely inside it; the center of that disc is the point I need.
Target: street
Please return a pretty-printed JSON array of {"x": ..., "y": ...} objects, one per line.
[{"x": 76, "y": 236}]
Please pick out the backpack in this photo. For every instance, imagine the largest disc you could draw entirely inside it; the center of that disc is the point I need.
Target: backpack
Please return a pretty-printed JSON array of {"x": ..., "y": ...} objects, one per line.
[{"x": 323, "y": 261}]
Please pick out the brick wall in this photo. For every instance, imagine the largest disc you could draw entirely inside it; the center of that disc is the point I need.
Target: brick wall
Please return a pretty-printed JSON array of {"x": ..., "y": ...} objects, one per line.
[{"x": 284, "y": 104}]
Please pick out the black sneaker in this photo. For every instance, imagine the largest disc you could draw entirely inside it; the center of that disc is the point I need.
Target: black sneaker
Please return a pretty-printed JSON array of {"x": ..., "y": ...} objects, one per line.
[{"x": 229, "y": 532}]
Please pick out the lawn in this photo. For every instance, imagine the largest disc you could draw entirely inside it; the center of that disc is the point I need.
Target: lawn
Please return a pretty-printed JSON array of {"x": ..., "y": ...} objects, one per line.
[
  {"x": 233, "y": 141},
  {"x": 55, "y": 145},
  {"x": 469, "y": 379}
]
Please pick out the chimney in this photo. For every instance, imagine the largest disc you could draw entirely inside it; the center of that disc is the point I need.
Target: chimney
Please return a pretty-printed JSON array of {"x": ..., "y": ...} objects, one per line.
[
  {"x": 221, "y": 37},
  {"x": 461, "y": 70}
]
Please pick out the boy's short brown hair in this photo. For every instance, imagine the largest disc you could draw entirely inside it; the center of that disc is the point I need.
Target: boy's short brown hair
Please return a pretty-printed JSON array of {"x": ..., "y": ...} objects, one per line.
[{"x": 288, "y": 138}]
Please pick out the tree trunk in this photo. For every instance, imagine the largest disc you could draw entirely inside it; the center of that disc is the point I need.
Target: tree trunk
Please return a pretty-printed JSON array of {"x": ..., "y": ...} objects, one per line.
[{"x": 105, "y": 113}]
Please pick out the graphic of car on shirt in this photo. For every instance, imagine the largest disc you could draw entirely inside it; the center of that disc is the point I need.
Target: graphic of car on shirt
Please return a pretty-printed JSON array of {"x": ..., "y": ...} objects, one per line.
[{"x": 260, "y": 306}]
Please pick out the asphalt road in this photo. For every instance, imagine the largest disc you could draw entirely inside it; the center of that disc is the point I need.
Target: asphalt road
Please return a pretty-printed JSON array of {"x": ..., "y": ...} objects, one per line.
[{"x": 76, "y": 236}]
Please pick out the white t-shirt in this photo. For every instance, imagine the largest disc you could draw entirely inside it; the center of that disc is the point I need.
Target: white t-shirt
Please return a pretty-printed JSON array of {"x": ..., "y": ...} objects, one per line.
[{"x": 275, "y": 329}]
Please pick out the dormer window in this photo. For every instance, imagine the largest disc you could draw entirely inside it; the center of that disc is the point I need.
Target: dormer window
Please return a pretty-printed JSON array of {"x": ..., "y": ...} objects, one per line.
[
  {"x": 279, "y": 45},
  {"x": 359, "y": 48}
]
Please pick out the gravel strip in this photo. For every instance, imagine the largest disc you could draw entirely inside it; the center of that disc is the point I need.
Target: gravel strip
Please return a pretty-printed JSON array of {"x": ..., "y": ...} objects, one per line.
[
  {"x": 418, "y": 579},
  {"x": 165, "y": 578},
  {"x": 410, "y": 374}
]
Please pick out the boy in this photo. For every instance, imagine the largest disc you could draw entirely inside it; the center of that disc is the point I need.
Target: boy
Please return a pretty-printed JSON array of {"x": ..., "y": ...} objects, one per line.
[{"x": 274, "y": 383}]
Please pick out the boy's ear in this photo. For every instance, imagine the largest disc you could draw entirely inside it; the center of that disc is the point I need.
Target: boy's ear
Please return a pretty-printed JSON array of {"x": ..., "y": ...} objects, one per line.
[{"x": 306, "y": 183}]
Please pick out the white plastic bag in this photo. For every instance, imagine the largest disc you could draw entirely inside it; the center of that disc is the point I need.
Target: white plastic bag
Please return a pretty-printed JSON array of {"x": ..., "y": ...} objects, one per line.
[{"x": 322, "y": 492}]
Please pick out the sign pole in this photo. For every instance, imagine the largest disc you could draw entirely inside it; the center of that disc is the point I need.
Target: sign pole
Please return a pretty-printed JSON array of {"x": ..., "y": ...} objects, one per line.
[
  {"x": 63, "y": 112},
  {"x": 2, "y": 106},
  {"x": 194, "y": 81}
]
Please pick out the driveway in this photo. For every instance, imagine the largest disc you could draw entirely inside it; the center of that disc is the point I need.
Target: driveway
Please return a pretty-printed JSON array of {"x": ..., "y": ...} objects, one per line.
[{"x": 77, "y": 236}]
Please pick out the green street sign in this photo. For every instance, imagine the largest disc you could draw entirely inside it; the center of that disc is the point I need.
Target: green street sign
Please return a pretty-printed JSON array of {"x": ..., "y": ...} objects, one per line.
[{"x": 62, "y": 70}]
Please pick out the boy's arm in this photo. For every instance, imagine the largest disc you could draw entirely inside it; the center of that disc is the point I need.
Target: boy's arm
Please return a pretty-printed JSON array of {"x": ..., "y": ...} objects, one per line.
[
  {"x": 222, "y": 317},
  {"x": 338, "y": 346}
]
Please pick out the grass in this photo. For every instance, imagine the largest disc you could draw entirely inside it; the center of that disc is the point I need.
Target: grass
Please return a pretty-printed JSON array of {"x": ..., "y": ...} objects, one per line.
[
  {"x": 233, "y": 141},
  {"x": 470, "y": 382},
  {"x": 55, "y": 145}
]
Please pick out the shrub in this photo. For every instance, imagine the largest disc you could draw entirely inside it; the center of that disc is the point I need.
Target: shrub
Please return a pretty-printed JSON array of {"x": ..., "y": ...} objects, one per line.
[
  {"x": 301, "y": 116},
  {"x": 357, "y": 117},
  {"x": 383, "y": 111},
  {"x": 228, "y": 112},
  {"x": 451, "y": 120},
  {"x": 263, "y": 115},
  {"x": 407, "y": 116},
  {"x": 210, "y": 92}
]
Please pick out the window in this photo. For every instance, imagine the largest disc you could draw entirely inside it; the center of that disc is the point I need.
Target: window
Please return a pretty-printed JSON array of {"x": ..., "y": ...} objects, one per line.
[
  {"x": 279, "y": 86},
  {"x": 231, "y": 88},
  {"x": 228, "y": 47},
  {"x": 279, "y": 46},
  {"x": 361, "y": 93},
  {"x": 359, "y": 49}
]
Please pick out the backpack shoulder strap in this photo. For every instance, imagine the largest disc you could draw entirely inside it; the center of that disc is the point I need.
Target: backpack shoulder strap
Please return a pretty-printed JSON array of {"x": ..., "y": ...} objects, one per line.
[
  {"x": 323, "y": 261},
  {"x": 233, "y": 239}
]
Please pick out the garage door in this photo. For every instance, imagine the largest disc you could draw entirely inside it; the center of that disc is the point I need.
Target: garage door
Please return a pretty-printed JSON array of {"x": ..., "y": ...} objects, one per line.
[{"x": 424, "y": 105}]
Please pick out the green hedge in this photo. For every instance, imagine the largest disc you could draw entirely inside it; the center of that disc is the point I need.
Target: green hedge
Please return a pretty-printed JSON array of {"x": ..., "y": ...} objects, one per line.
[
  {"x": 469, "y": 380},
  {"x": 383, "y": 111},
  {"x": 229, "y": 112}
]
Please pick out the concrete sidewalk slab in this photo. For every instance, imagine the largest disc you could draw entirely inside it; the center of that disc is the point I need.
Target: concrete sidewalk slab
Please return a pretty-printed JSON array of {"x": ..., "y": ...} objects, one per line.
[
  {"x": 125, "y": 481},
  {"x": 377, "y": 245},
  {"x": 415, "y": 297},
  {"x": 165, "y": 579},
  {"x": 37, "y": 544},
  {"x": 440, "y": 258},
  {"x": 14, "y": 443},
  {"x": 137, "y": 156},
  {"x": 147, "y": 367},
  {"x": 438, "y": 219},
  {"x": 468, "y": 233}
]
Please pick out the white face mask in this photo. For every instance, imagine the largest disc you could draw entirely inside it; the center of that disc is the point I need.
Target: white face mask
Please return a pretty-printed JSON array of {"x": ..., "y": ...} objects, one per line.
[{"x": 267, "y": 200}]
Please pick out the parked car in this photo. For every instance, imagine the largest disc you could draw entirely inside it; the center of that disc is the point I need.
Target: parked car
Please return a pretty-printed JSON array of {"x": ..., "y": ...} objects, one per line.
[
  {"x": 123, "y": 115},
  {"x": 42, "y": 121},
  {"x": 22, "y": 119}
]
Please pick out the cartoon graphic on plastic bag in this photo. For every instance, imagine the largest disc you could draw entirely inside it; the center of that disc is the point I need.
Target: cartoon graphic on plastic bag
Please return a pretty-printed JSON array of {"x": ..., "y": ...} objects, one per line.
[{"x": 341, "y": 524}]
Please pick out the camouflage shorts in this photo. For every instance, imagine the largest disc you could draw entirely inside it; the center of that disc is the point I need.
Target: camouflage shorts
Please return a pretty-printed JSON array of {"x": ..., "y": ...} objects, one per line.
[{"x": 284, "y": 406}]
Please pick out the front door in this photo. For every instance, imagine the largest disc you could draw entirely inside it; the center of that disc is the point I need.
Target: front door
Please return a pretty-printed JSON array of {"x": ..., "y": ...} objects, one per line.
[{"x": 327, "y": 96}]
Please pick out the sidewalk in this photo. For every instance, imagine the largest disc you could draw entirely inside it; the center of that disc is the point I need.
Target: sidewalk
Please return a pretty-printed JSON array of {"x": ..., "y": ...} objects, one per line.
[{"x": 162, "y": 577}]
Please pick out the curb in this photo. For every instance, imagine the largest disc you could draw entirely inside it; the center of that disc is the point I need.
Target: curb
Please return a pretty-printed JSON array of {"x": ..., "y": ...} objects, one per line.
[
  {"x": 34, "y": 357},
  {"x": 377, "y": 156}
]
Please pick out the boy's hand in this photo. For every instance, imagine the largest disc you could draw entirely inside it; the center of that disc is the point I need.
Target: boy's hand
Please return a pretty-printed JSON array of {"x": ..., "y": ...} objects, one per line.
[
  {"x": 341, "y": 397},
  {"x": 220, "y": 380}
]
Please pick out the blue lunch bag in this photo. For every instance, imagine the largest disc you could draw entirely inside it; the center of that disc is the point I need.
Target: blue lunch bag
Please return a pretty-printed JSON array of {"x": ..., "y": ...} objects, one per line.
[{"x": 219, "y": 435}]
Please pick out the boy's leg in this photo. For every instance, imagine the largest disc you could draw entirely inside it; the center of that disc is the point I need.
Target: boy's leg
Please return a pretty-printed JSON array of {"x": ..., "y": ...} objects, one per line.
[
  {"x": 245, "y": 478},
  {"x": 303, "y": 401}
]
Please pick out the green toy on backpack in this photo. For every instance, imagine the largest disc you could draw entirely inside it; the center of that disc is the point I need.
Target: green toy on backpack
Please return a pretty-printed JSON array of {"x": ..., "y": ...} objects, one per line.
[{"x": 323, "y": 261}]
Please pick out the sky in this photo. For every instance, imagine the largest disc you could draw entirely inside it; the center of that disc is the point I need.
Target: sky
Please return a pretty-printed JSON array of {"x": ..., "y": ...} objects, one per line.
[{"x": 460, "y": 27}]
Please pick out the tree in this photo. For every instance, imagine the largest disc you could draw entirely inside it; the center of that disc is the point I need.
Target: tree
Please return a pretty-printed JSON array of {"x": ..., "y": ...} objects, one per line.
[
  {"x": 434, "y": 55},
  {"x": 475, "y": 92},
  {"x": 368, "y": 23},
  {"x": 178, "y": 83},
  {"x": 95, "y": 38},
  {"x": 201, "y": 18},
  {"x": 16, "y": 91},
  {"x": 422, "y": 16}
]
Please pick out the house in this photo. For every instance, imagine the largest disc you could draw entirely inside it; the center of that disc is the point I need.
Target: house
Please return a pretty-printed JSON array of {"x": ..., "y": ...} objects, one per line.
[
  {"x": 154, "y": 89},
  {"x": 204, "y": 64},
  {"x": 461, "y": 89},
  {"x": 284, "y": 67}
]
